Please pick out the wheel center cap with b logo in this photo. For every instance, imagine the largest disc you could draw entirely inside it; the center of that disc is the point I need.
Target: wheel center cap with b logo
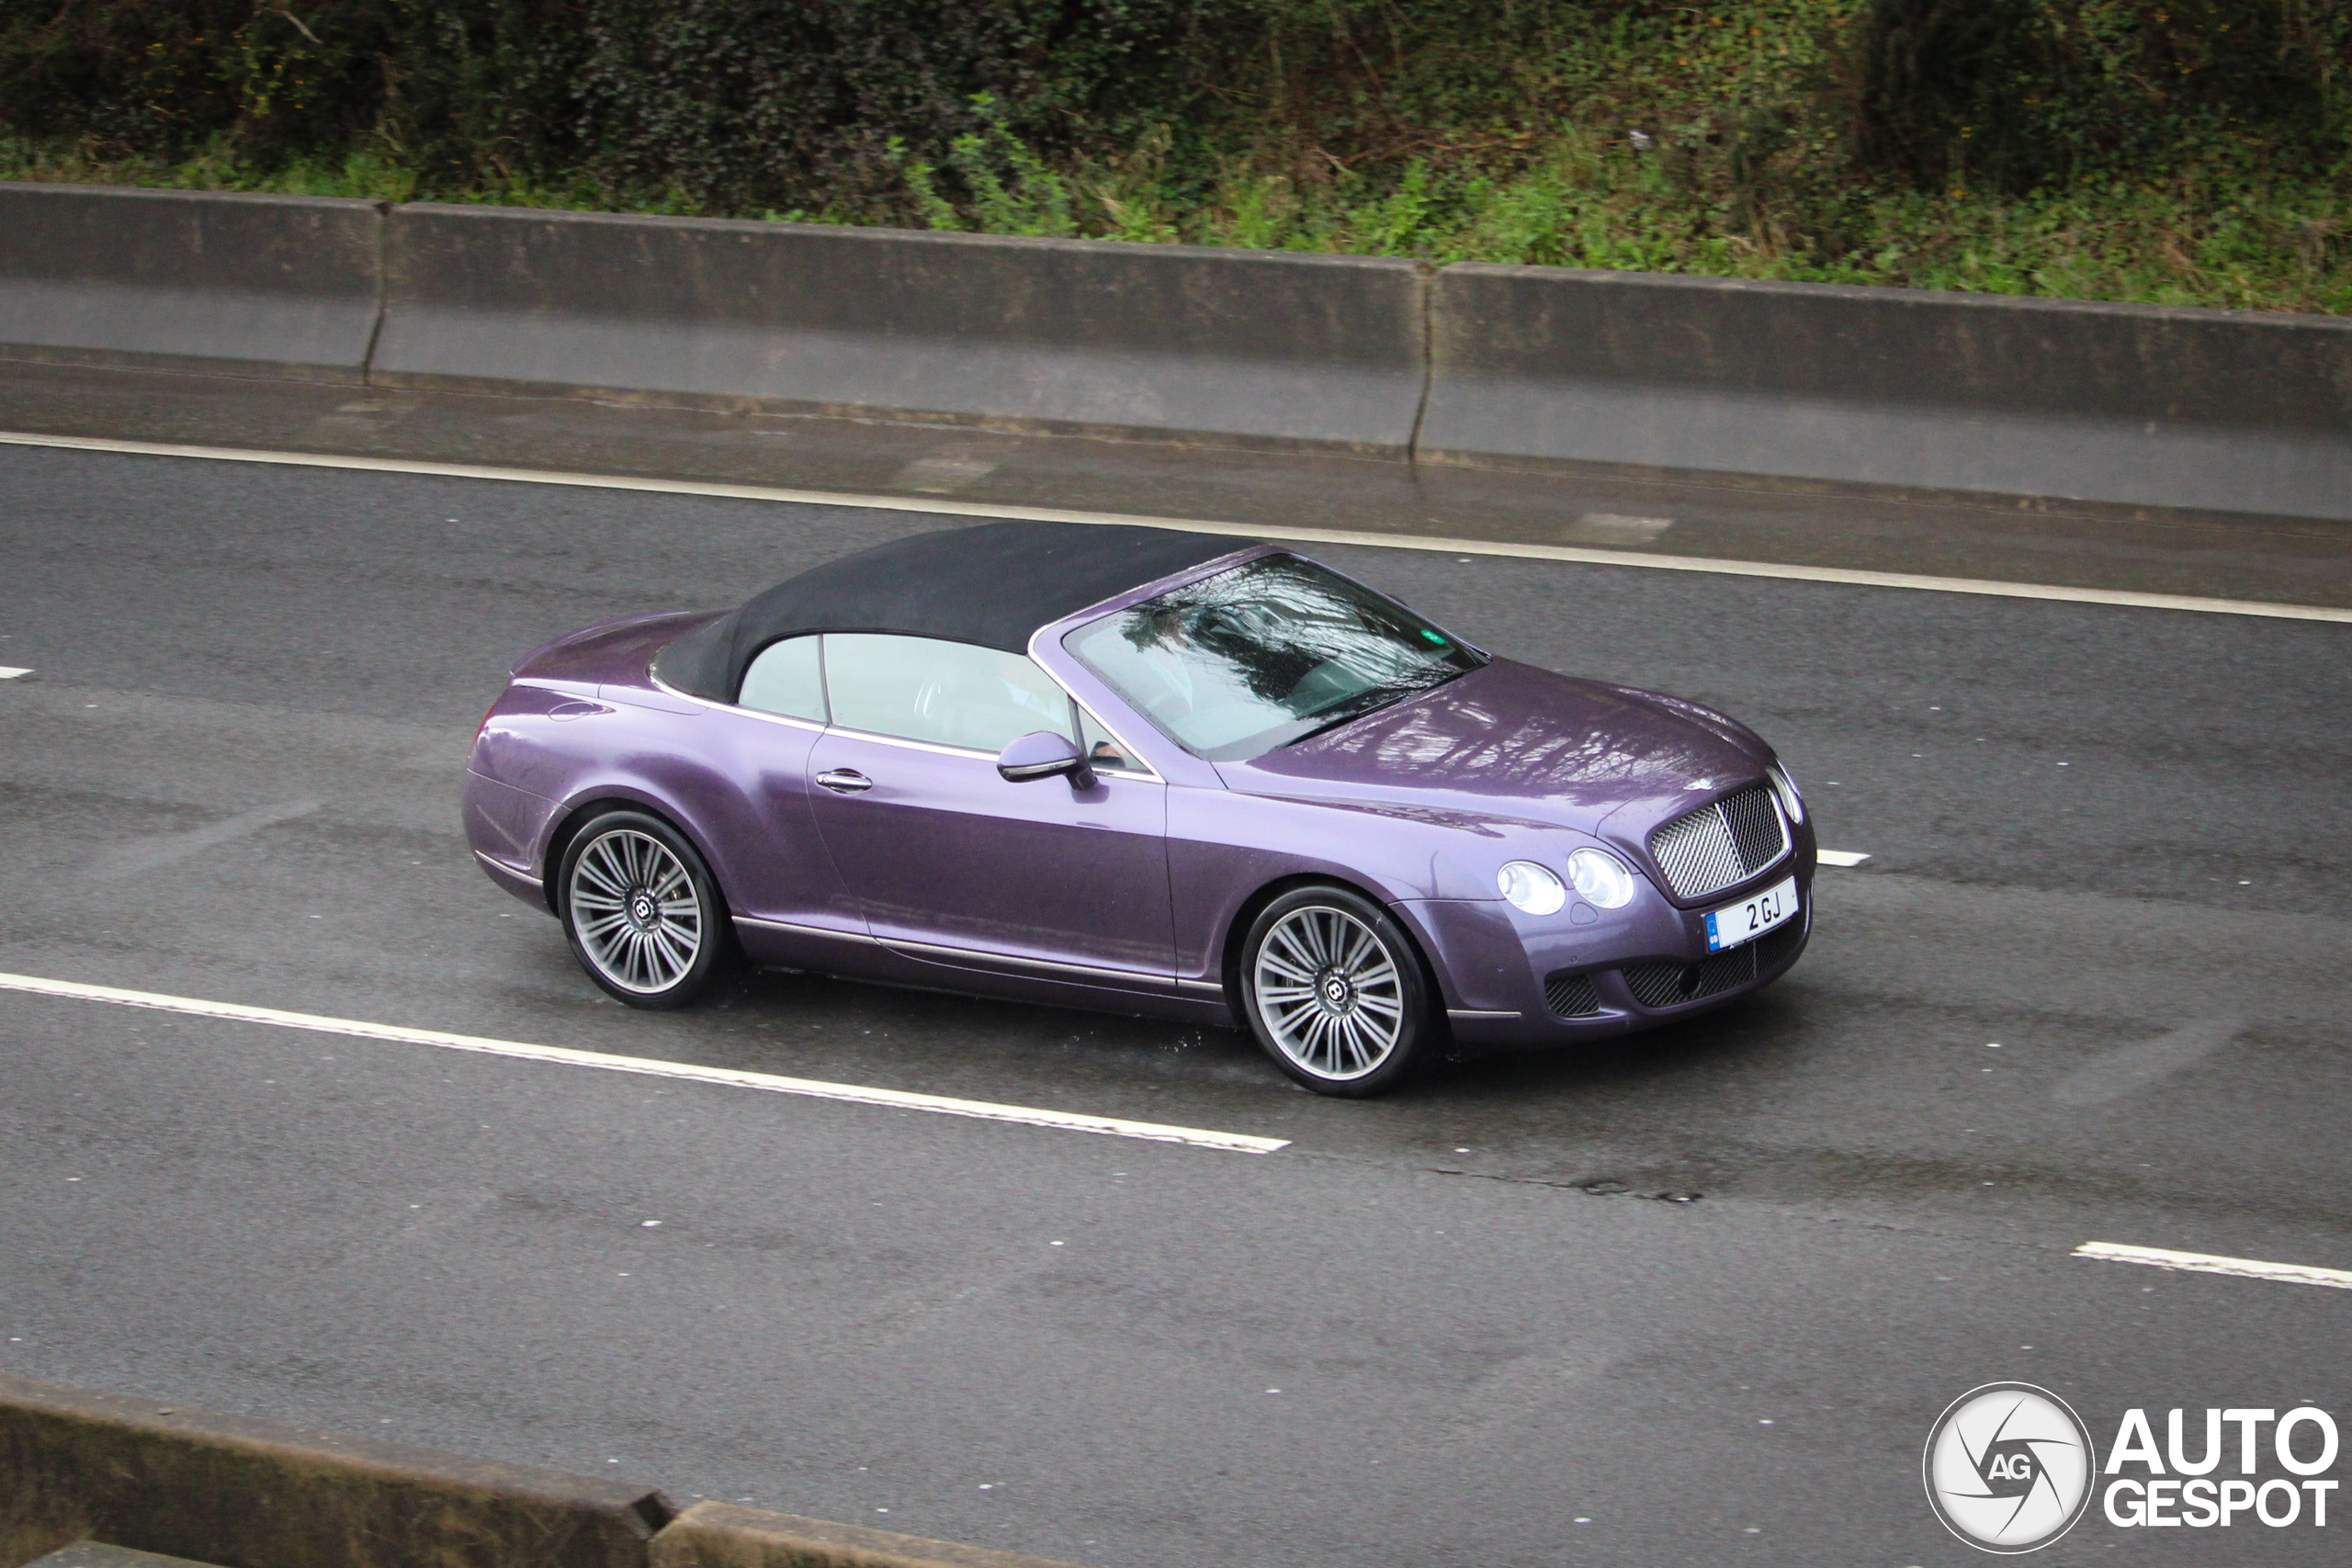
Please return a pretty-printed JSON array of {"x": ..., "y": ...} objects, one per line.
[
  {"x": 640, "y": 909},
  {"x": 1336, "y": 992}
]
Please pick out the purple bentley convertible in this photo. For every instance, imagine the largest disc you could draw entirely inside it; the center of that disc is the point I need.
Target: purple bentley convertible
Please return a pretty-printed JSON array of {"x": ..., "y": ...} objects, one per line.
[{"x": 1158, "y": 773}]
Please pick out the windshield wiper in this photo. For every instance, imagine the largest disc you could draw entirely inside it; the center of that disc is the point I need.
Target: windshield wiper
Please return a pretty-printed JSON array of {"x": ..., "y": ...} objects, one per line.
[{"x": 1381, "y": 697}]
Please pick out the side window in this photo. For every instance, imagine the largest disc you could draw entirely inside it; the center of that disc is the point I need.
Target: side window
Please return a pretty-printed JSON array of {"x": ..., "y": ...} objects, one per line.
[
  {"x": 1101, "y": 749},
  {"x": 952, "y": 694},
  {"x": 786, "y": 679}
]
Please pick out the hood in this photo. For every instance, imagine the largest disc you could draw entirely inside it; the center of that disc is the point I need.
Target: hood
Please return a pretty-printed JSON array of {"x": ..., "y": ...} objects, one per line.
[{"x": 1516, "y": 742}]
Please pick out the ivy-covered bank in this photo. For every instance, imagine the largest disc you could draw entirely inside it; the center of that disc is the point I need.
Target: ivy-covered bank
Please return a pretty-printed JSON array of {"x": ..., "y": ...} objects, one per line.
[{"x": 2175, "y": 150}]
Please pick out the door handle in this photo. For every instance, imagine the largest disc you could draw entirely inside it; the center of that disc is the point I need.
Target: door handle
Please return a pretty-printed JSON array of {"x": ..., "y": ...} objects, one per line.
[{"x": 845, "y": 780}]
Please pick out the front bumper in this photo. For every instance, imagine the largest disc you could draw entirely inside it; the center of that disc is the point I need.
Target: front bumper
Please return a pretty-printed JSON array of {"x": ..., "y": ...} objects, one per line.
[{"x": 1516, "y": 981}]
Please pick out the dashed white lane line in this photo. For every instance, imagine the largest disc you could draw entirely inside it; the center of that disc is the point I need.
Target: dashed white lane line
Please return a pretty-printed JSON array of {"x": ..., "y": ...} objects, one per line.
[
  {"x": 950, "y": 507},
  {"x": 2206, "y": 1263},
  {"x": 9, "y": 672},
  {"x": 901, "y": 1100},
  {"x": 1840, "y": 857}
]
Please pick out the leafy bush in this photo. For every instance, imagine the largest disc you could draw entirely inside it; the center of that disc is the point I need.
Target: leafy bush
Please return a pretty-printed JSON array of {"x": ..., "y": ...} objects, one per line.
[
  {"x": 2186, "y": 150},
  {"x": 714, "y": 105}
]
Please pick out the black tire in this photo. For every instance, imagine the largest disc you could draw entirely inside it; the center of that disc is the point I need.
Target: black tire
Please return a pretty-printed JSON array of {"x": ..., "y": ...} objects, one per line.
[
  {"x": 1361, "y": 1022},
  {"x": 644, "y": 916}
]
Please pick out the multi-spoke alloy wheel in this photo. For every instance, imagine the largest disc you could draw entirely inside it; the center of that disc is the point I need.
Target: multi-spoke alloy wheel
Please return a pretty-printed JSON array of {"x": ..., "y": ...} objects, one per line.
[
  {"x": 642, "y": 913},
  {"x": 1334, "y": 991}
]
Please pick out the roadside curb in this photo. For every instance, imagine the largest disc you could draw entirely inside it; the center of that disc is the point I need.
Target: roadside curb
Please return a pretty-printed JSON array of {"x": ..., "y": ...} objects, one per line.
[
  {"x": 78, "y": 1465},
  {"x": 725, "y": 1535}
]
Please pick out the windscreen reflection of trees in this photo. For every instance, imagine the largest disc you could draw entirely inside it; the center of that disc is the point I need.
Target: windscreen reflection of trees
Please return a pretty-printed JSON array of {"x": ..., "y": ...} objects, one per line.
[{"x": 1304, "y": 642}]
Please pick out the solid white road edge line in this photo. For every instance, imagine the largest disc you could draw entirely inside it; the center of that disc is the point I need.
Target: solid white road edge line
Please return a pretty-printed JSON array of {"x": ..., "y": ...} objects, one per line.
[
  {"x": 952, "y": 507},
  {"x": 1840, "y": 857},
  {"x": 2206, "y": 1263},
  {"x": 940, "y": 1104}
]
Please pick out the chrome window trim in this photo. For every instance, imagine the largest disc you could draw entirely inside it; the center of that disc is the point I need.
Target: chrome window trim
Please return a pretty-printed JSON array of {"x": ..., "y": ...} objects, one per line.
[
  {"x": 784, "y": 718},
  {"x": 823, "y": 691},
  {"x": 1145, "y": 775},
  {"x": 934, "y": 747},
  {"x": 937, "y": 748},
  {"x": 1144, "y": 771},
  {"x": 826, "y": 666}
]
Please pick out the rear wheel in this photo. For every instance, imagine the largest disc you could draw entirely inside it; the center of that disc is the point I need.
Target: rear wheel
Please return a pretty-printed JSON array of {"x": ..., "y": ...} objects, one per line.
[
  {"x": 644, "y": 916},
  {"x": 1333, "y": 990}
]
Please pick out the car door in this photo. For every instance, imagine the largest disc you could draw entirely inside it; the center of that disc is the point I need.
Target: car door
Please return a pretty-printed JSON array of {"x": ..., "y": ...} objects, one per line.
[
  {"x": 782, "y": 877},
  {"x": 952, "y": 864}
]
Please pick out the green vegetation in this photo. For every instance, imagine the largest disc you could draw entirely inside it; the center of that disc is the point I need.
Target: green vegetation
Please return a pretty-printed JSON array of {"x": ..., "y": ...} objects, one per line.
[{"x": 2189, "y": 151}]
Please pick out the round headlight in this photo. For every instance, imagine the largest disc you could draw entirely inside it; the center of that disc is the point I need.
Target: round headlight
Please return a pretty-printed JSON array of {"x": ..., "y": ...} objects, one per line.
[
  {"x": 1530, "y": 888},
  {"x": 1786, "y": 788},
  {"x": 1600, "y": 877}
]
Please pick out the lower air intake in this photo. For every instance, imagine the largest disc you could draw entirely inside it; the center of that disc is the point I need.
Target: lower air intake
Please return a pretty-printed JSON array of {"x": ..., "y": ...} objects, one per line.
[
  {"x": 1572, "y": 995},
  {"x": 1671, "y": 984}
]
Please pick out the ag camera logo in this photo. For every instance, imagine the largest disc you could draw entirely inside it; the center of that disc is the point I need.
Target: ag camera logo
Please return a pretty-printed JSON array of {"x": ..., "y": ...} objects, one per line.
[{"x": 2008, "y": 1467}]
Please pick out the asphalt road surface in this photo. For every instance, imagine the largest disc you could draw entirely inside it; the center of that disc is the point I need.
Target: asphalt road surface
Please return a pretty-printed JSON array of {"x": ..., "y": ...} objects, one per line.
[{"x": 2089, "y": 986}]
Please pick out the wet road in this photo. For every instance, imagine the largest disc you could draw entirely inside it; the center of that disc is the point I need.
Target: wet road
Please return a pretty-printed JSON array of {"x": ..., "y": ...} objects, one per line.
[{"x": 2090, "y": 985}]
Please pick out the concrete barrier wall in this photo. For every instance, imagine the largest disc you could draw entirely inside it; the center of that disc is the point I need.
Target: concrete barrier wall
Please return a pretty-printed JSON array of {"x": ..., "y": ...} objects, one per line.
[
  {"x": 1246, "y": 347},
  {"x": 246, "y": 285},
  {"x": 215, "y": 1489},
  {"x": 2243, "y": 411},
  {"x": 1468, "y": 365},
  {"x": 253, "y": 1495}
]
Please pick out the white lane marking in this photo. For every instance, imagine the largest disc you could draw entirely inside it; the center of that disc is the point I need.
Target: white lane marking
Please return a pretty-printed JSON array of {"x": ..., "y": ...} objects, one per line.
[
  {"x": 1616, "y": 528},
  {"x": 1840, "y": 857},
  {"x": 945, "y": 474},
  {"x": 2119, "y": 1073},
  {"x": 164, "y": 849},
  {"x": 2206, "y": 1263},
  {"x": 953, "y": 508},
  {"x": 9, "y": 672},
  {"x": 236, "y": 1012}
]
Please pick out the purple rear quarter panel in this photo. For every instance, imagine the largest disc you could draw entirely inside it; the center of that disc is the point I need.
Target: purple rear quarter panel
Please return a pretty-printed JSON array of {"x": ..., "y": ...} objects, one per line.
[{"x": 583, "y": 723}]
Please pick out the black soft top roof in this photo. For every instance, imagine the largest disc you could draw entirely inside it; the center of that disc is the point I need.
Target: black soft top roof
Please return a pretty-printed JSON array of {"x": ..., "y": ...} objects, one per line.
[{"x": 994, "y": 584}]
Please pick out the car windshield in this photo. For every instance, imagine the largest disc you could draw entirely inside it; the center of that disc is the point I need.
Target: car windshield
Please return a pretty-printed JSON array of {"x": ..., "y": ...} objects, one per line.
[{"x": 1265, "y": 654}]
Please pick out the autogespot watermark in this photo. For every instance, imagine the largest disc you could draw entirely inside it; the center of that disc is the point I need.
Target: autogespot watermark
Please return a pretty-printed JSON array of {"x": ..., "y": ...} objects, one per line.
[{"x": 2010, "y": 1468}]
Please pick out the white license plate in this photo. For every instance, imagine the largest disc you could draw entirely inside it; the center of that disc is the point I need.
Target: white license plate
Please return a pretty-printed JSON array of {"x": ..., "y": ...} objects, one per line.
[{"x": 1751, "y": 918}]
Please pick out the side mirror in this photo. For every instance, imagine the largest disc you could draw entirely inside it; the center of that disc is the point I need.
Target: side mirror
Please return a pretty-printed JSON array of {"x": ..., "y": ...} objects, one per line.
[{"x": 1042, "y": 754}]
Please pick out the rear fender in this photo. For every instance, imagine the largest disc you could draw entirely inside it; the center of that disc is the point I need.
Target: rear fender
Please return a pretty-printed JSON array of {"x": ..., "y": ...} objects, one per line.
[{"x": 595, "y": 800}]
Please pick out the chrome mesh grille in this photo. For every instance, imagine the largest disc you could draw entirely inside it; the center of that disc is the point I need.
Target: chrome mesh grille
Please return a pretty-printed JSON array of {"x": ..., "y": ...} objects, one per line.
[
  {"x": 1755, "y": 820},
  {"x": 1707, "y": 850},
  {"x": 1572, "y": 995}
]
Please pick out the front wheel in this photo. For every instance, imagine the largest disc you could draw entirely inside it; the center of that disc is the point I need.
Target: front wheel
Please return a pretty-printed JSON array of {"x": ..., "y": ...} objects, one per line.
[
  {"x": 1333, "y": 990},
  {"x": 645, "y": 918}
]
